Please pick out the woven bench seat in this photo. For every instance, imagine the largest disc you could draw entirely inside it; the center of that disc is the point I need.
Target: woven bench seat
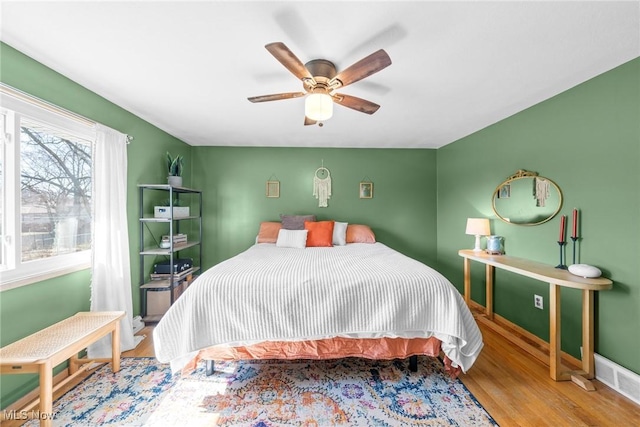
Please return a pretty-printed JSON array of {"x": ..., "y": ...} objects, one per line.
[{"x": 41, "y": 351}]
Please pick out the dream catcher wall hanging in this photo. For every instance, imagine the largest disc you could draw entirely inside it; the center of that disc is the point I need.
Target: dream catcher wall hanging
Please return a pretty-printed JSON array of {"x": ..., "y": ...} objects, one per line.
[{"x": 322, "y": 186}]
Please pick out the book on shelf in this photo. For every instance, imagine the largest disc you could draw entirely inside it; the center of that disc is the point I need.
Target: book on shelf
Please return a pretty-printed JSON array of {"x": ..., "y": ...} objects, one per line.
[
  {"x": 176, "y": 276},
  {"x": 177, "y": 238}
]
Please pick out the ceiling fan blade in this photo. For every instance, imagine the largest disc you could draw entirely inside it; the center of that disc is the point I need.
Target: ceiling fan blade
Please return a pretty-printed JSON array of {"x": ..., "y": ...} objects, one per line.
[
  {"x": 308, "y": 121},
  {"x": 355, "y": 103},
  {"x": 276, "y": 96},
  {"x": 361, "y": 69},
  {"x": 289, "y": 60}
]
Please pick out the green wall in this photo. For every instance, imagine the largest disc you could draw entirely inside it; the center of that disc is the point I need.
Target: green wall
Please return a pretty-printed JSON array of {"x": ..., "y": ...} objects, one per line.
[
  {"x": 402, "y": 212},
  {"x": 30, "y": 308},
  {"x": 587, "y": 140}
]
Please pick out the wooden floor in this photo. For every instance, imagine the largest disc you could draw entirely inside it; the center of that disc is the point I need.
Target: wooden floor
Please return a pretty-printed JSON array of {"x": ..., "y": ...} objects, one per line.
[{"x": 516, "y": 390}]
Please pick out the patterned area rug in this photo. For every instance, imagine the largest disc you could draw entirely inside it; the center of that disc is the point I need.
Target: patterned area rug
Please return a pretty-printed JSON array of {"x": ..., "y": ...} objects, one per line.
[
  {"x": 126, "y": 398},
  {"x": 349, "y": 392}
]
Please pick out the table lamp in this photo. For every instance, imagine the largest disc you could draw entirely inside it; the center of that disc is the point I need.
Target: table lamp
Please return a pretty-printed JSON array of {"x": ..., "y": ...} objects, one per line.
[{"x": 478, "y": 227}]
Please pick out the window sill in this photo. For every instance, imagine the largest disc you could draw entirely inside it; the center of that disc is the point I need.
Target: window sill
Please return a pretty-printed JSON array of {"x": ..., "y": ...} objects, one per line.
[{"x": 6, "y": 285}]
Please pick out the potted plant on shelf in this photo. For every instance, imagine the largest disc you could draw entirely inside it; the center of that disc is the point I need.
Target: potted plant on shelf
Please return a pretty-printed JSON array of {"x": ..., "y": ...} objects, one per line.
[{"x": 174, "y": 167}]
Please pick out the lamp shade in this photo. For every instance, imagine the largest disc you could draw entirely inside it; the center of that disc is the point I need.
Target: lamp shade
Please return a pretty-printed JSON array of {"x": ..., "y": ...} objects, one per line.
[
  {"x": 318, "y": 106},
  {"x": 478, "y": 227}
]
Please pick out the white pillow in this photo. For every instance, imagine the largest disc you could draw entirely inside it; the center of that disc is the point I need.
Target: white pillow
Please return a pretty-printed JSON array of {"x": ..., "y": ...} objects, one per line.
[
  {"x": 292, "y": 238},
  {"x": 340, "y": 233}
]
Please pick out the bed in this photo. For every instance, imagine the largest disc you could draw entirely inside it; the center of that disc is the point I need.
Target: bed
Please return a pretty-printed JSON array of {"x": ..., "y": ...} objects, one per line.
[{"x": 288, "y": 301}]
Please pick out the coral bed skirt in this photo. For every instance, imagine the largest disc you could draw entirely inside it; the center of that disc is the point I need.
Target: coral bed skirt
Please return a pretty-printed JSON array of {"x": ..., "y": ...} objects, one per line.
[{"x": 330, "y": 348}]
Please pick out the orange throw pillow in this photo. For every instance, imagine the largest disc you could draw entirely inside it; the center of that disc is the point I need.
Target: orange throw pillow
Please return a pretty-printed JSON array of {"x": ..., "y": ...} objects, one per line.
[
  {"x": 320, "y": 233},
  {"x": 357, "y": 233},
  {"x": 269, "y": 232}
]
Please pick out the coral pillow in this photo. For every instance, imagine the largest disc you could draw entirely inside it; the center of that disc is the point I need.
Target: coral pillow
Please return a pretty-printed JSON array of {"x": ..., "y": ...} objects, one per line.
[
  {"x": 357, "y": 233},
  {"x": 320, "y": 233},
  {"x": 268, "y": 232}
]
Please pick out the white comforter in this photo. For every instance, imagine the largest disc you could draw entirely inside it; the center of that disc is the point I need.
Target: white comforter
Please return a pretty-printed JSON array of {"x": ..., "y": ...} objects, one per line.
[{"x": 269, "y": 293}]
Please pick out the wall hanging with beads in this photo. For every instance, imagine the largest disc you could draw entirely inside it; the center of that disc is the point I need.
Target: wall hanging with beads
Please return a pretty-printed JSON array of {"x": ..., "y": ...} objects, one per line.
[{"x": 322, "y": 186}]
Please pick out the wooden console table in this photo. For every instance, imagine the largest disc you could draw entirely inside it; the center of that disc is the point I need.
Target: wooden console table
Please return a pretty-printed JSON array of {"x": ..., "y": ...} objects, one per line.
[
  {"x": 556, "y": 278},
  {"x": 40, "y": 352}
]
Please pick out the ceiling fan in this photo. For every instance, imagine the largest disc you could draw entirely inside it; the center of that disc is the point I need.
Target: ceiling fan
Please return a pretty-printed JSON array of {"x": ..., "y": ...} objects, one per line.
[{"x": 320, "y": 82}]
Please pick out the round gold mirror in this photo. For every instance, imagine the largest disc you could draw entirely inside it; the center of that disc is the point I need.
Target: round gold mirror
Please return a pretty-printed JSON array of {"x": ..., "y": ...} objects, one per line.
[{"x": 526, "y": 198}]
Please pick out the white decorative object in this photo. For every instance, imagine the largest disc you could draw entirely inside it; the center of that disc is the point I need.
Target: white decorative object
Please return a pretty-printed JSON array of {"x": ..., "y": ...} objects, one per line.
[
  {"x": 322, "y": 186},
  {"x": 165, "y": 243},
  {"x": 165, "y": 211},
  {"x": 585, "y": 270}
]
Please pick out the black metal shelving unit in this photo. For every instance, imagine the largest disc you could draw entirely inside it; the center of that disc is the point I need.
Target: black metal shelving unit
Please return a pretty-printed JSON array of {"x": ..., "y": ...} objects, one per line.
[{"x": 150, "y": 239}]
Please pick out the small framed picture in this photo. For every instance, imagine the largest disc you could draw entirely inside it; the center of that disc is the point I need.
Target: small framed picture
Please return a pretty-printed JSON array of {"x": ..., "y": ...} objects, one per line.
[
  {"x": 505, "y": 192},
  {"x": 366, "y": 190},
  {"x": 273, "y": 188}
]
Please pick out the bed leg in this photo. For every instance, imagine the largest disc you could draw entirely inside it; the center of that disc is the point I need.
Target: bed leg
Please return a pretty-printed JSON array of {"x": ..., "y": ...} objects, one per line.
[
  {"x": 210, "y": 367},
  {"x": 413, "y": 363}
]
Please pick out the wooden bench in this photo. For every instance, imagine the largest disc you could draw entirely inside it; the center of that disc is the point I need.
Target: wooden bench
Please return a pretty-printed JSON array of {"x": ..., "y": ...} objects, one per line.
[{"x": 40, "y": 352}]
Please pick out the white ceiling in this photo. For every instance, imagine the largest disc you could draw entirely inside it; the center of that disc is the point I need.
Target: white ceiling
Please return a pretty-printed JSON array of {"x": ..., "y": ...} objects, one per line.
[{"x": 188, "y": 67}]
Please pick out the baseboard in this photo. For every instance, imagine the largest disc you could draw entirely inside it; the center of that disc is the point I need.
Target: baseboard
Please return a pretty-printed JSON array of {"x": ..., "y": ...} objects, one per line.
[
  {"x": 138, "y": 324},
  {"x": 619, "y": 378}
]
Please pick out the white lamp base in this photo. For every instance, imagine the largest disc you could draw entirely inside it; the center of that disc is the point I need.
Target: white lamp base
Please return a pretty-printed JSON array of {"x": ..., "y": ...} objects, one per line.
[{"x": 477, "y": 247}]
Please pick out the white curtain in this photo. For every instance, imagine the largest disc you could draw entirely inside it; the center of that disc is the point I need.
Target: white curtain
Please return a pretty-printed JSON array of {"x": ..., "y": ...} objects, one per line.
[{"x": 111, "y": 269}]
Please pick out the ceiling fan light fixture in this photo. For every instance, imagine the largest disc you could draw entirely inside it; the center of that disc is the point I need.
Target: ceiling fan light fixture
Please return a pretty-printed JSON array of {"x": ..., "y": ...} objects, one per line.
[
  {"x": 318, "y": 107},
  {"x": 320, "y": 81}
]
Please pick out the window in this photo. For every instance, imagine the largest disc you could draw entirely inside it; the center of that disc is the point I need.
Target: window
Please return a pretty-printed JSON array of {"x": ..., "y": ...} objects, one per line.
[{"x": 45, "y": 185}]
